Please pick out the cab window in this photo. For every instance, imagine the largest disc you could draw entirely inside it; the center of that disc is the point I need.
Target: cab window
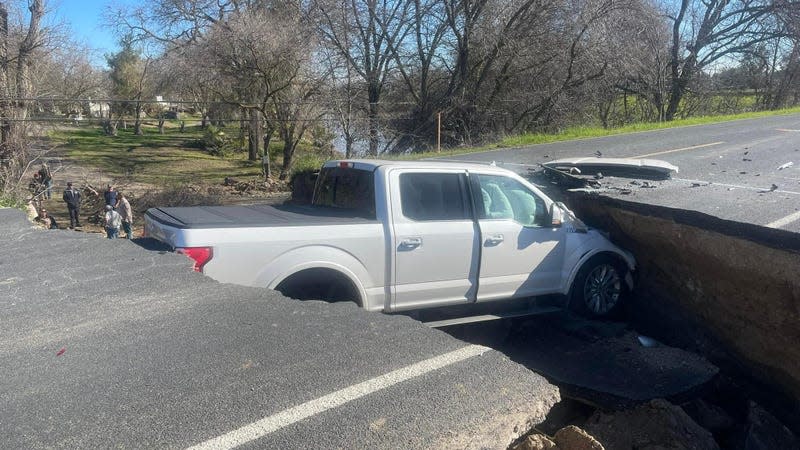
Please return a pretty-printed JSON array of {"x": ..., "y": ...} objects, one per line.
[{"x": 434, "y": 196}]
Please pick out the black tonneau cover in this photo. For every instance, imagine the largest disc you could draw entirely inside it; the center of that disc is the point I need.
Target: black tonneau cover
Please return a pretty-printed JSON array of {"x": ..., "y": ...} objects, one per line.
[{"x": 254, "y": 216}]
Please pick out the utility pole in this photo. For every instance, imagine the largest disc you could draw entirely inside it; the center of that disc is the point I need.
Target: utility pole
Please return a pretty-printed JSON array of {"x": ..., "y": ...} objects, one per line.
[{"x": 439, "y": 132}]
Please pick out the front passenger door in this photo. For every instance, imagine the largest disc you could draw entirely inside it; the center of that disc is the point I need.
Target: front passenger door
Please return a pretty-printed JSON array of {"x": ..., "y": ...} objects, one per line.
[{"x": 522, "y": 254}]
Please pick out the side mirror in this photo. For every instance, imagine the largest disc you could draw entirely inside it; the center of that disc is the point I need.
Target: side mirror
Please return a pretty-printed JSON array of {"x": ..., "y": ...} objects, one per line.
[
  {"x": 560, "y": 214},
  {"x": 557, "y": 215}
]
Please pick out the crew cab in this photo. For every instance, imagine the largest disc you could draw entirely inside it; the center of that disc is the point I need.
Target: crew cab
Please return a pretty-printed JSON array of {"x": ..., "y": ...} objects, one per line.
[{"x": 397, "y": 236}]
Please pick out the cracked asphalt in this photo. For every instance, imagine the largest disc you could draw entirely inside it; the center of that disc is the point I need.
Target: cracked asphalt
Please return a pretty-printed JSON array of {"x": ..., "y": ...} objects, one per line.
[{"x": 727, "y": 170}]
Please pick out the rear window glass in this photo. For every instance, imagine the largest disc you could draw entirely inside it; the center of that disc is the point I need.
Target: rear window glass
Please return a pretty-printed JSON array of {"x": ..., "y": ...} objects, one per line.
[{"x": 346, "y": 188}]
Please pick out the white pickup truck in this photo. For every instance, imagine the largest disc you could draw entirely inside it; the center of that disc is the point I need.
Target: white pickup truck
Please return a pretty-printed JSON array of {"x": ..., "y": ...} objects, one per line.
[{"x": 398, "y": 236}]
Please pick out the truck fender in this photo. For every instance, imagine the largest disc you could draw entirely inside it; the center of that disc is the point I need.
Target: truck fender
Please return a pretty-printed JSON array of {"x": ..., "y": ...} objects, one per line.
[
  {"x": 316, "y": 257},
  {"x": 629, "y": 260}
]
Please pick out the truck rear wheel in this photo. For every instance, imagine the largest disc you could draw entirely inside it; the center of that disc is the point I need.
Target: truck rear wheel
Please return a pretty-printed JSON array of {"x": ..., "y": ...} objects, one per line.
[
  {"x": 319, "y": 284},
  {"x": 599, "y": 287}
]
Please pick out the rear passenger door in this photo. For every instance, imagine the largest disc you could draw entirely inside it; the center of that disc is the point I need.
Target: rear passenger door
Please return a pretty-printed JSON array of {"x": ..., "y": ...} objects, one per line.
[
  {"x": 435, "y": 239},
  {"x": 522, "y": 254}
]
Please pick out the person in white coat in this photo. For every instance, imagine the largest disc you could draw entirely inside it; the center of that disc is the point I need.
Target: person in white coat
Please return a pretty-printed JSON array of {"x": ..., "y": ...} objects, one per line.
[{"x": 113, "y": 222}]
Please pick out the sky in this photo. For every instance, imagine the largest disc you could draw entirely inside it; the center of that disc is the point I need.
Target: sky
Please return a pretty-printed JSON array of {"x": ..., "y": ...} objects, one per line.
[{"x": 85, "y": 19}]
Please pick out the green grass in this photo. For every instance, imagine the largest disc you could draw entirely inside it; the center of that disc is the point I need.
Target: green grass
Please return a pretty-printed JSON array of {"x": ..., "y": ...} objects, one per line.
[
  {"x": 586, "y": 132},
  {"x": 165, "y": 160}
]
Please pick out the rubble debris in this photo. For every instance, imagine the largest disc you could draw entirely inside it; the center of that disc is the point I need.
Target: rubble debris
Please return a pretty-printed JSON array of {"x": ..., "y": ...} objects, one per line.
[
  {"x": 598, "y": 153},
  {"x": 698, "y": 184},
  {"x": 635, "y": 182},
  {"x": 742, "y": 173},
  {"x": 772, "y": 188},
  {"x": 786, "y": 165},
  {"x": 746, "y": 159},
  {"x": 657, "y": 421},
  {"x": 598, "y": 176},
  {"x": 648, "y": 185},
  {"x": 765, "y": 432}
]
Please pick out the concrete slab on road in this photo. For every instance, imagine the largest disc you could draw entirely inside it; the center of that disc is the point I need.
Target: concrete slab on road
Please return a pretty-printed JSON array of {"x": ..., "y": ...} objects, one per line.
[{"x": 106, "y": 344}]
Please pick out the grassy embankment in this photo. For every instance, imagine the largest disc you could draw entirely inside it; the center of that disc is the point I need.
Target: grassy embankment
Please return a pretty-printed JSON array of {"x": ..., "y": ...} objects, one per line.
[{"x": 588, "y": 132}]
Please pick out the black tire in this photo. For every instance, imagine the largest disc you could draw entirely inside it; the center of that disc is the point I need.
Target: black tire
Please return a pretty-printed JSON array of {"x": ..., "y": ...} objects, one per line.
[{"x": 599, "y": 288}]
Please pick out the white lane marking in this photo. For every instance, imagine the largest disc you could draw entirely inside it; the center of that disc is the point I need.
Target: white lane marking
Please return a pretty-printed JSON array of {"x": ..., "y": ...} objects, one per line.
[
  {"x": 287, "y": 417},
  {"x": 680, "y": 149},
  {"x": 785, "y": 221},
  {"x": 737, "y": 186},
  {"x": 786, "y": 130}
]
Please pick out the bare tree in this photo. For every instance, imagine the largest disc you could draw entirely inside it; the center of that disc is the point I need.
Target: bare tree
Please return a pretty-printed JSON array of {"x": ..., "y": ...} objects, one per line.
[
  {"x": 364, "y": 32},
  {"x": 704, "y": 32}
]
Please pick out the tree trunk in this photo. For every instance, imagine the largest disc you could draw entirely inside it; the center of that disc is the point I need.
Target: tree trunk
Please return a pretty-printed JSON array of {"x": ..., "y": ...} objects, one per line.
[
  {"x": 4, "y": 113},
  {"x": 254, "y": 135},
  {"x": 373, "y": 94},
  {"x": 25, "y": 67},
  {"x": 289, "y": 145}
]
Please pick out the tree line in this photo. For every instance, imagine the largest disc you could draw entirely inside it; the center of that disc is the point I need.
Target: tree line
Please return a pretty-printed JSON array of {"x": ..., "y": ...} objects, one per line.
[{"x": 378, "y": 74}]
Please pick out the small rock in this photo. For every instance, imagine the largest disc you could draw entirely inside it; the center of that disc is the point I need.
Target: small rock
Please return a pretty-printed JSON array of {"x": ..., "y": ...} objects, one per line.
[
  {"x": 573, "y": 438},
  {"x": 786, "y": 166},
  {"x": 536, "y": 442},
  {"x": 765, "y": 432},
  {"x": 742, "y": 173},
  {"x": 634, "y": 182},
  {"x": 598, "y": 176},
  {"x": 708, "y": 416},
  {"x": 746, "y": 159},
  {"x": 598, "y": 153}
]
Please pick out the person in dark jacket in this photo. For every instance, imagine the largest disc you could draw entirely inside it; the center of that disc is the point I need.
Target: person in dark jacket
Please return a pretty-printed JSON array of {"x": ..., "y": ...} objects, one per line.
[
  {"x": 72, "y": 197},
  {"x": 47, "y": 180},
  {"x": 110, "y": 195}
]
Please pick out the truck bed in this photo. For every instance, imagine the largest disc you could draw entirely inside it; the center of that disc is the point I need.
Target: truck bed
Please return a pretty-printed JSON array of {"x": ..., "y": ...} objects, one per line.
[{"x": 200, "y": 217}]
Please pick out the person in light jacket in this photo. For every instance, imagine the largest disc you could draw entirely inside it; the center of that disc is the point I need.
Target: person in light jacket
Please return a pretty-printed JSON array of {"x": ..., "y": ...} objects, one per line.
[
  {"x": 124, "y": 210},
  {"x": 113, "y": 222}
]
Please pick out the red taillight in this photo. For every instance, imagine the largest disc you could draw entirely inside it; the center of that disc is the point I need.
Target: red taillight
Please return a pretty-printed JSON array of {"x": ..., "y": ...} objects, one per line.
[
  {"x": 200, "y": 255},
  {"x": 345, "y": 165}
]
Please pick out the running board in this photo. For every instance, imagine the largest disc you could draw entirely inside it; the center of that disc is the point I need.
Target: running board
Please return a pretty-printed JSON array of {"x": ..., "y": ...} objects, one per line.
[{"x": 487, "y": 317}]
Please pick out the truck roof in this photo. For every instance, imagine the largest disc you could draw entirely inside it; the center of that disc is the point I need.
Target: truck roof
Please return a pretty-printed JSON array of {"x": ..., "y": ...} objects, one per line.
[{"x": 372, "y": 164}]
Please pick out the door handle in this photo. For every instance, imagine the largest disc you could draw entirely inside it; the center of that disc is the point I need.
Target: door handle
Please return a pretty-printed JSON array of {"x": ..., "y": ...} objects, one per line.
[
  {"x": 412, "y": 242},
  {"x": 495, "y": 239}
]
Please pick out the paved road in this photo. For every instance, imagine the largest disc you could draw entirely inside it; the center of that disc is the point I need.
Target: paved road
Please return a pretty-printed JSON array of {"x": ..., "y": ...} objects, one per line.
[
  {"x": 735, "y": 163},
  {"x": 106, "y": 344}
]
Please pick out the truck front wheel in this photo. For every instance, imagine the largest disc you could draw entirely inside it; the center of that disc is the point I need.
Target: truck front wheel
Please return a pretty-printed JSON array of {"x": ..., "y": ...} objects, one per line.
[{"x": 599, "y": 287}]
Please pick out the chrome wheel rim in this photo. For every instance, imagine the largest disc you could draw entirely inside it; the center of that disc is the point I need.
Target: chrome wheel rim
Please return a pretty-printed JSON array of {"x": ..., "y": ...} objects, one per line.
[{"x": 602, "y": 289}]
